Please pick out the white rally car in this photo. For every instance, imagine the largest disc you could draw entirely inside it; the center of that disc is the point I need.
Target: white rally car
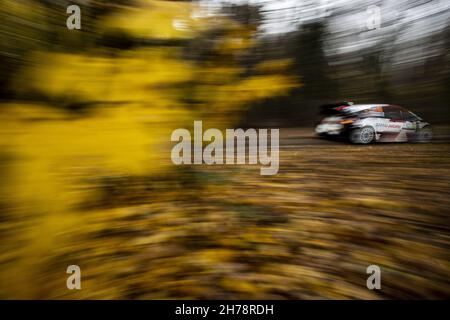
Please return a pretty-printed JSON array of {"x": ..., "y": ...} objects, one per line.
[{"x": 366, "y": 123}]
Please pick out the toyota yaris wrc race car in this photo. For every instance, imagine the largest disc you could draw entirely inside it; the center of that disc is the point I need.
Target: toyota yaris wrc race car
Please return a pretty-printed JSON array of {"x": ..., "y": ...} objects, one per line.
[{"x": 366, "y": 123}]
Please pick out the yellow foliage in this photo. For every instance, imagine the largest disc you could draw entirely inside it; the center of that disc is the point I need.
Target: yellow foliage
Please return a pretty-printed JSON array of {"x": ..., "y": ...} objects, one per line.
[
  {"x": 156, "y": 19},
  {"x": 271, "y": 66},
  {"x": 135, "y": 99},
  {"x": 136, "y": 75}
]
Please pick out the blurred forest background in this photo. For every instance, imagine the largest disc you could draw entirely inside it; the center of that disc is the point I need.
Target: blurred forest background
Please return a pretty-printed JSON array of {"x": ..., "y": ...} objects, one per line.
[
  {"x": 334, "y": 54},
  {"x": 85, "y": 173}
]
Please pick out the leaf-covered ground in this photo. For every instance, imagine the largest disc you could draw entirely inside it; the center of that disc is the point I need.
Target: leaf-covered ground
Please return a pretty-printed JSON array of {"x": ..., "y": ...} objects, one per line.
[{"x": 228, "y": 232}]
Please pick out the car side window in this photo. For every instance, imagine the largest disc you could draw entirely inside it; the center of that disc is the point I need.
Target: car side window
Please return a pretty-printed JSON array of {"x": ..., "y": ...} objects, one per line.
[
  {"x": 408, "y": 116},
  {"x": 391, "y": 112}
]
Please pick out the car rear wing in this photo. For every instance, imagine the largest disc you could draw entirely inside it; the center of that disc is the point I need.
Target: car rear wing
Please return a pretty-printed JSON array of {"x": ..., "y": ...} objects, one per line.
[{"x": 333, "y": 108}]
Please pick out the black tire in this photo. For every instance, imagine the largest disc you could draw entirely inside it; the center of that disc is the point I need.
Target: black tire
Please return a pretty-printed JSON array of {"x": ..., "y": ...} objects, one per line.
[
  {"x": 425, "y": 134},
  {"x": 364, "y": 135}
]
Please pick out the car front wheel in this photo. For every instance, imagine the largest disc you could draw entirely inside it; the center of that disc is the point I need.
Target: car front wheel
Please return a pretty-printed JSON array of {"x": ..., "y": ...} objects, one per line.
[
  {"x": 425, "y": 134},
  {"x": 363, "y": 135}
]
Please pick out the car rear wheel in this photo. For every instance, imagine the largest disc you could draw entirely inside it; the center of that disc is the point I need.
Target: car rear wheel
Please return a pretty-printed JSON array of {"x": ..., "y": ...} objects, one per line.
[{"x": 364, "y": 135}]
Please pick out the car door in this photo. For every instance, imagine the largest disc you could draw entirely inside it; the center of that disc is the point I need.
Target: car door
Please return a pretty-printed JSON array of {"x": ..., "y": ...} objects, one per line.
[
  {"x": 396, "y": 122},
  {"x": 410, "y": 125},
  {"x": 410, "y": 120}
]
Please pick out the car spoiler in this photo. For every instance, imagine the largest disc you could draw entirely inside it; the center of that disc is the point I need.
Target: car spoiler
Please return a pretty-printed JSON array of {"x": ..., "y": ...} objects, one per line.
[{"x": 333, "y": 108}]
